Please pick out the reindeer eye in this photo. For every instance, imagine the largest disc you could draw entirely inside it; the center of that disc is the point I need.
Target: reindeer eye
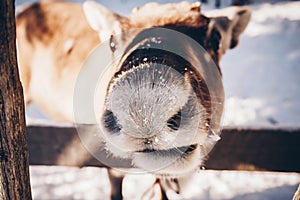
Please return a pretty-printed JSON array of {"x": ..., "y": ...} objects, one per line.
[
  {"x": 110, "y": 122},
  {"x": 112, "y": 43},
  {"x": 174, "y": 121}
]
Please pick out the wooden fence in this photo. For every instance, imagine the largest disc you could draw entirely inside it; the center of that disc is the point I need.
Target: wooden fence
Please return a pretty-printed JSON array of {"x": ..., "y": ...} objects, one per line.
[{"x": 240, "y": 148}]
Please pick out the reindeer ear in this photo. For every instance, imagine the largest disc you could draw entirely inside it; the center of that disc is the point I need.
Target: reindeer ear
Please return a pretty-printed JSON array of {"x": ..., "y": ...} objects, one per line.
[
  {"x": 242, "y": 18},
  {"x": 101, "y": 19},
  {"x": 230, "y": 22}
]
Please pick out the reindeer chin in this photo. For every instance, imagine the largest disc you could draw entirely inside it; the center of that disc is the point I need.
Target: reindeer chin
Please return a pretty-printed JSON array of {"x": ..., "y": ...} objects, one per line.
[{"x": 172, "y": 162}]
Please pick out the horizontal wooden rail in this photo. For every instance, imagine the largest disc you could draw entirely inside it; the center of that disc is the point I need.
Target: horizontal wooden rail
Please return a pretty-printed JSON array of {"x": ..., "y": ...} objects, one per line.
[
  {"x": 266, "y": 148},
  {"x": 272, "y": 149}
]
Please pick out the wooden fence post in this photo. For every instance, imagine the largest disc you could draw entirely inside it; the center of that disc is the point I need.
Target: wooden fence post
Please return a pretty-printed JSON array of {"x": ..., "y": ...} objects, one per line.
[{"x": 14, "y": 162}]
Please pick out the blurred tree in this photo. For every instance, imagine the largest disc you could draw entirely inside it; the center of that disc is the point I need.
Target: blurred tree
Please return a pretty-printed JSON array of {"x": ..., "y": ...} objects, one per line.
[{"x": 14, "y": 164}]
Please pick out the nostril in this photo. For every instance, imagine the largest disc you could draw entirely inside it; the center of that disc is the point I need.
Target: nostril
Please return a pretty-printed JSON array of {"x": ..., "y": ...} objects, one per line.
[
  {"x": 174, "y": 121},
  {"x": 190, "y": 149},
  {"x": 111, "y": 122}
]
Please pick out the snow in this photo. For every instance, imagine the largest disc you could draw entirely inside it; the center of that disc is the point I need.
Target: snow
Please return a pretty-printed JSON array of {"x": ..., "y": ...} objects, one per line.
[
  {"x": 262, "y": 75},
  {"x": 69, "y": 183},
  {"x": 243, "y": 185},
  {"x": 92, "y": 183},
  {"x": 261, "y": 80}
]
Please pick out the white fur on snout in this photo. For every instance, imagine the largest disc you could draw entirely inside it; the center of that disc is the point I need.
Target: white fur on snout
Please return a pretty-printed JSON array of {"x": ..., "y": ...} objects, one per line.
[{"x": 143, "y": 99}]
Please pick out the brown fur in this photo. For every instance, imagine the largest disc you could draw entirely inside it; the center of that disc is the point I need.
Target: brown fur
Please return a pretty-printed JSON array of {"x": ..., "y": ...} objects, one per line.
[
  {"x": 36, "y": 24},
  {"x": 54, "y": 38},
  {"x": 154, "y": 14},
  {"x": 47, "y": 26},
  {"x": 181, "y": 17}
]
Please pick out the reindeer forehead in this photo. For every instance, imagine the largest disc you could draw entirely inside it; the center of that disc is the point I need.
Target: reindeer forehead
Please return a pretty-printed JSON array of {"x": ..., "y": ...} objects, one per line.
[
  {"x": 182, "y": 17},
  {"x": 154, "y": 14}
]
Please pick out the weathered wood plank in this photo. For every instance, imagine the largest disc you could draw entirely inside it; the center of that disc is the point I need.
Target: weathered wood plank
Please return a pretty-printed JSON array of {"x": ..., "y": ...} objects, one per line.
[
  {"x": 62, "y": 146},
  {"x": 266, "y": 148},
  {"x": 273, "y": 149}
]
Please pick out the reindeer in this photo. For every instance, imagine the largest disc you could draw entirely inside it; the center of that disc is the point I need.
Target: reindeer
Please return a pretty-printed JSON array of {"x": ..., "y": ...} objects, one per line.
[{"x": 55, "y": 38}]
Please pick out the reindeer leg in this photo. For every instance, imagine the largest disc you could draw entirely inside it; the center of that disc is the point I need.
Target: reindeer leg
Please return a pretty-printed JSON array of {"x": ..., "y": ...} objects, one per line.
[
  {"x": 163, "y": 194},
  {"x": 115, "y": 179},
  {"x": 155, "y": 191},
  {"x": 168, "y": 184}
]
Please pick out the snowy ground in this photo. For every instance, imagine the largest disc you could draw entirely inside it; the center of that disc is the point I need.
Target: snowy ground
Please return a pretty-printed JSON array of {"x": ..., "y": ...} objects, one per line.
[
  {"x": 262, "y": 82},
  {"x": 91, "y": 183},
  {"x": 262, "y": 75}
]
